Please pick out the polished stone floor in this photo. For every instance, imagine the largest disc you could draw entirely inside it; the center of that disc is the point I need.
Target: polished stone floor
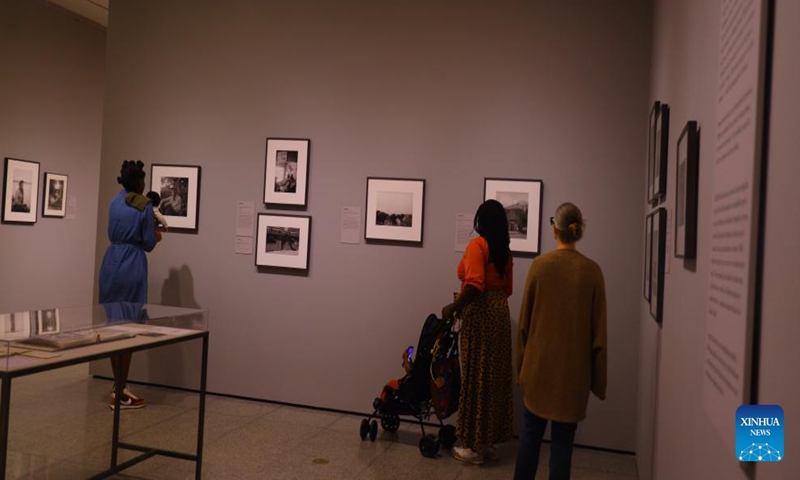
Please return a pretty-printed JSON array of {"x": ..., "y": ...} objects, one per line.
[{"x": 61, "y": 428}]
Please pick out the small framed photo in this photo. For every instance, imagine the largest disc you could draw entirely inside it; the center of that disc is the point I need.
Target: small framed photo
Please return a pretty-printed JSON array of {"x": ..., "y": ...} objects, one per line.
[
  {"x": 282, "y": 241},
  {"x": 20, "y": 191},
  {"x": 686, "y": 192},
  {"x": 661, "y": 151},
  {"x": 651, "y": 149},
  {"x": 15, "y": 326},
  {"x": 54, "y": 200},
  {"x": 657, "y": 263},
  {"x": 48, "y": 321},
  {"x": 648, "y": 252},
  {"x": 286, "y": 171},
  {"x": 522, "y": 200},
  {"x": 395, "y": 209},
  {"x": 179, "y": 188}
]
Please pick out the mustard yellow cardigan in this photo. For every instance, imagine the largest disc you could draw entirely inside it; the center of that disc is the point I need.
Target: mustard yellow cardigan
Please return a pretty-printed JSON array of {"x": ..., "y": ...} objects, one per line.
[{"x": 561, "y": 342}]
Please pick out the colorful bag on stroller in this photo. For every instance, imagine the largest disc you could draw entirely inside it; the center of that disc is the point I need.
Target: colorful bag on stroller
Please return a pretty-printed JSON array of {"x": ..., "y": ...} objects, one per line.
[{"x": 445, "y": 375}]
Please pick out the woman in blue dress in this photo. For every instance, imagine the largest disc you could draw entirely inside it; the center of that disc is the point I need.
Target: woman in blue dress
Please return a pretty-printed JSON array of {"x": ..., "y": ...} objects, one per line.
[{"x": 123, "y": 273}]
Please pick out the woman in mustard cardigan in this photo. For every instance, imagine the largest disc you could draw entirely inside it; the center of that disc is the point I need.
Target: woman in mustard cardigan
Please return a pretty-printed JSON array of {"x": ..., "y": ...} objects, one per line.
[{"x": 561, "y": 346}]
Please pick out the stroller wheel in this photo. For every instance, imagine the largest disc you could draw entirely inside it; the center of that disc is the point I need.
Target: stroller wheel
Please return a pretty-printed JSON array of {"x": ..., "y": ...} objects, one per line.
[
  {"x": 373, "y": 430},
  {"x": 447, "y": 436},
  {"x": 390, "y": 423},
  {"x": 429, "y": 446},
  {"x": 364, "y": 429}
]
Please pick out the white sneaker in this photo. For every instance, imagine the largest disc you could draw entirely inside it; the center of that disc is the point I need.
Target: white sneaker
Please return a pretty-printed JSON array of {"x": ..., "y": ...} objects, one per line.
[
  {"x": 128, "y": 400},
  {"x": 467, "y": 455},
  {"x": 125, "y": 391}
]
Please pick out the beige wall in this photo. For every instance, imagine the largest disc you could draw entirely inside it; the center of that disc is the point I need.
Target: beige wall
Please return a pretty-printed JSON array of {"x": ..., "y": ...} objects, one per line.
[
  {"x": 447, "y": 91},
  {"x": 685, "y": 51},
  {"x": 51, "y": 109}
]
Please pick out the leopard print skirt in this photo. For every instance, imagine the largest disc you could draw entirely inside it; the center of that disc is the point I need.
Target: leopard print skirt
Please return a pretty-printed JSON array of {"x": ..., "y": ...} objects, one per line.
[{"x": 485, "y": 404}]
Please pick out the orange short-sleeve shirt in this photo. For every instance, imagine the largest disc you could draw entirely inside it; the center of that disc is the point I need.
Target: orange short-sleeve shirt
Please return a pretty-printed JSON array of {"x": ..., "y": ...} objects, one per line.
[{"x": 474, "y": 269}]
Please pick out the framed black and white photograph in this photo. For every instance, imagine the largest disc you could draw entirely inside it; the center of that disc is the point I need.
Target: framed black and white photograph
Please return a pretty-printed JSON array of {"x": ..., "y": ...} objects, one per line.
[
  {"x": 648, "y": 252},
  {"x": 286, "y": 171},
  {"x": 20, "y": 191},
  {"x": 15, "y": 326},
  {"x": 54, "y": 200},
  {"x": 686, "y": 186},
  {"x": 179, "y": 189},
  {"x": 282, "y": 241},
  {"x": 47, "y": 321},
  {"x": 395, "y": 209},
  {"x": 522, "y": 200},
  {"x": 657, "y": 263},
  {"x": 661, "y": 151},
  {"x": 651, "y": 149}
]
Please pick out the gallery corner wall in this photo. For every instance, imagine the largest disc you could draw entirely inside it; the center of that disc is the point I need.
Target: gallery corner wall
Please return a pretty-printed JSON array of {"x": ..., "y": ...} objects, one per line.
[
  {"x": 451, "y": 92},
  {"x": 51, "y": 110},
  {"x": 681, "y": 442}
]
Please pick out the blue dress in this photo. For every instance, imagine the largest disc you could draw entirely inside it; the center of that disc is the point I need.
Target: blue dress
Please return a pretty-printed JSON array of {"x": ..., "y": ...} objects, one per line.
[{"x": 123, "y": 273}]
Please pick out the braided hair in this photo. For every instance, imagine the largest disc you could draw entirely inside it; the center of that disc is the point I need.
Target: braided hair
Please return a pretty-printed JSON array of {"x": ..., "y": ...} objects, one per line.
[
  {"x": 492, "y": 224},
  {"x": 131, "y": 174}
]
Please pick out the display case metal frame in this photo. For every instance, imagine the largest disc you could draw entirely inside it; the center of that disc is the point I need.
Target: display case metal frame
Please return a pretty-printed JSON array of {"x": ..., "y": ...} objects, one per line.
[{"x": 115, "y": 351}]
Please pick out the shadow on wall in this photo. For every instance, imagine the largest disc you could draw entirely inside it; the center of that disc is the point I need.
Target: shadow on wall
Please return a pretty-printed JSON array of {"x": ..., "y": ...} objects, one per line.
[
  {"x": 178, "y": 288},
  {"x": 174, "y": 365}
]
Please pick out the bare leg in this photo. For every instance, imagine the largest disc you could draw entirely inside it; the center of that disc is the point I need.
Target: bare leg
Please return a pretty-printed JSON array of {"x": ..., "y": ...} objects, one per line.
[{"x": 121, "y": 376}]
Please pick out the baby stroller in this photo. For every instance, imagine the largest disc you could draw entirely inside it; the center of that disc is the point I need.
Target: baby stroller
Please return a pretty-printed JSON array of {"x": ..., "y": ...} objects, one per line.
[{"x": 431, "y": 385}]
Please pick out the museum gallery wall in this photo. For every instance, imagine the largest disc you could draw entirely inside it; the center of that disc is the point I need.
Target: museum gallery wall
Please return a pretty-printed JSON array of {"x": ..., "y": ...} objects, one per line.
[
  {"x": 399, "y": 93},
  {"x": 50, "y": 137}
]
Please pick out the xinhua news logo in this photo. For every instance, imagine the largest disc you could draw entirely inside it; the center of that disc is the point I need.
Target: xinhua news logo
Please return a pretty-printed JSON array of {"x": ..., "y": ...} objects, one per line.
[{"x": 759, "y": 433}]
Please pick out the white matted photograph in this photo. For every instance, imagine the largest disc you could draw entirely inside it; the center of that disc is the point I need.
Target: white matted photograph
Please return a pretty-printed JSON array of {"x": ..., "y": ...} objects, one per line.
[
  {"x": 282, "y": 241},
  {"x": 54, "y": 200},
  {"x": 179, "y": 189},
  {"x": 15, "y": 326},
  {"x": 395, "y": 209},
  {"x": 47, "y": 321},
  {"x": 20, "y": 191},
  {"x": 522, "y": 201},
  {"x": 286, "y": 171}
]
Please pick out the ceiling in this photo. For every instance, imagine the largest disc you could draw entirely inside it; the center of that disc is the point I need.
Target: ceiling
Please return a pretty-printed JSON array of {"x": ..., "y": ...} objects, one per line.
[{"x": 93, "y": 10}]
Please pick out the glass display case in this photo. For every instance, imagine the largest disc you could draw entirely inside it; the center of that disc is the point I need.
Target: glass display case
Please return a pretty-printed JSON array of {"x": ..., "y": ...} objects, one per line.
[
  {"x": 48, "y": 339},
  {"x": 28, "y": 338}
]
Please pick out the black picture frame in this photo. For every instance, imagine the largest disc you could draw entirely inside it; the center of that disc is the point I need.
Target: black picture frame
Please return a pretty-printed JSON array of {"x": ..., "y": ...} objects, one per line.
[
  {"x": 661, "y": 151},
  {"x": 651, "y": 149},
  {"x": 648, "y": 252},
  {"x": 522, "y": 200},
  {"x": 687, "y": 166},
  {"x": 20, "y": 191},
  {"x": 179, "y": 188},
  {"x": 658, "y": 263},
  {"x": 54, "y": 195},
  {"x": 286, "y": 164},
  {"x": 395, "y": 210},
  {"x": 283, "y": 241}
]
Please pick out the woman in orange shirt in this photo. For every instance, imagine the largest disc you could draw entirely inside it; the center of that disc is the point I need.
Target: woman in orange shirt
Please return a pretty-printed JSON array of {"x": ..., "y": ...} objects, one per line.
[{"x": 485, "y": 405}]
